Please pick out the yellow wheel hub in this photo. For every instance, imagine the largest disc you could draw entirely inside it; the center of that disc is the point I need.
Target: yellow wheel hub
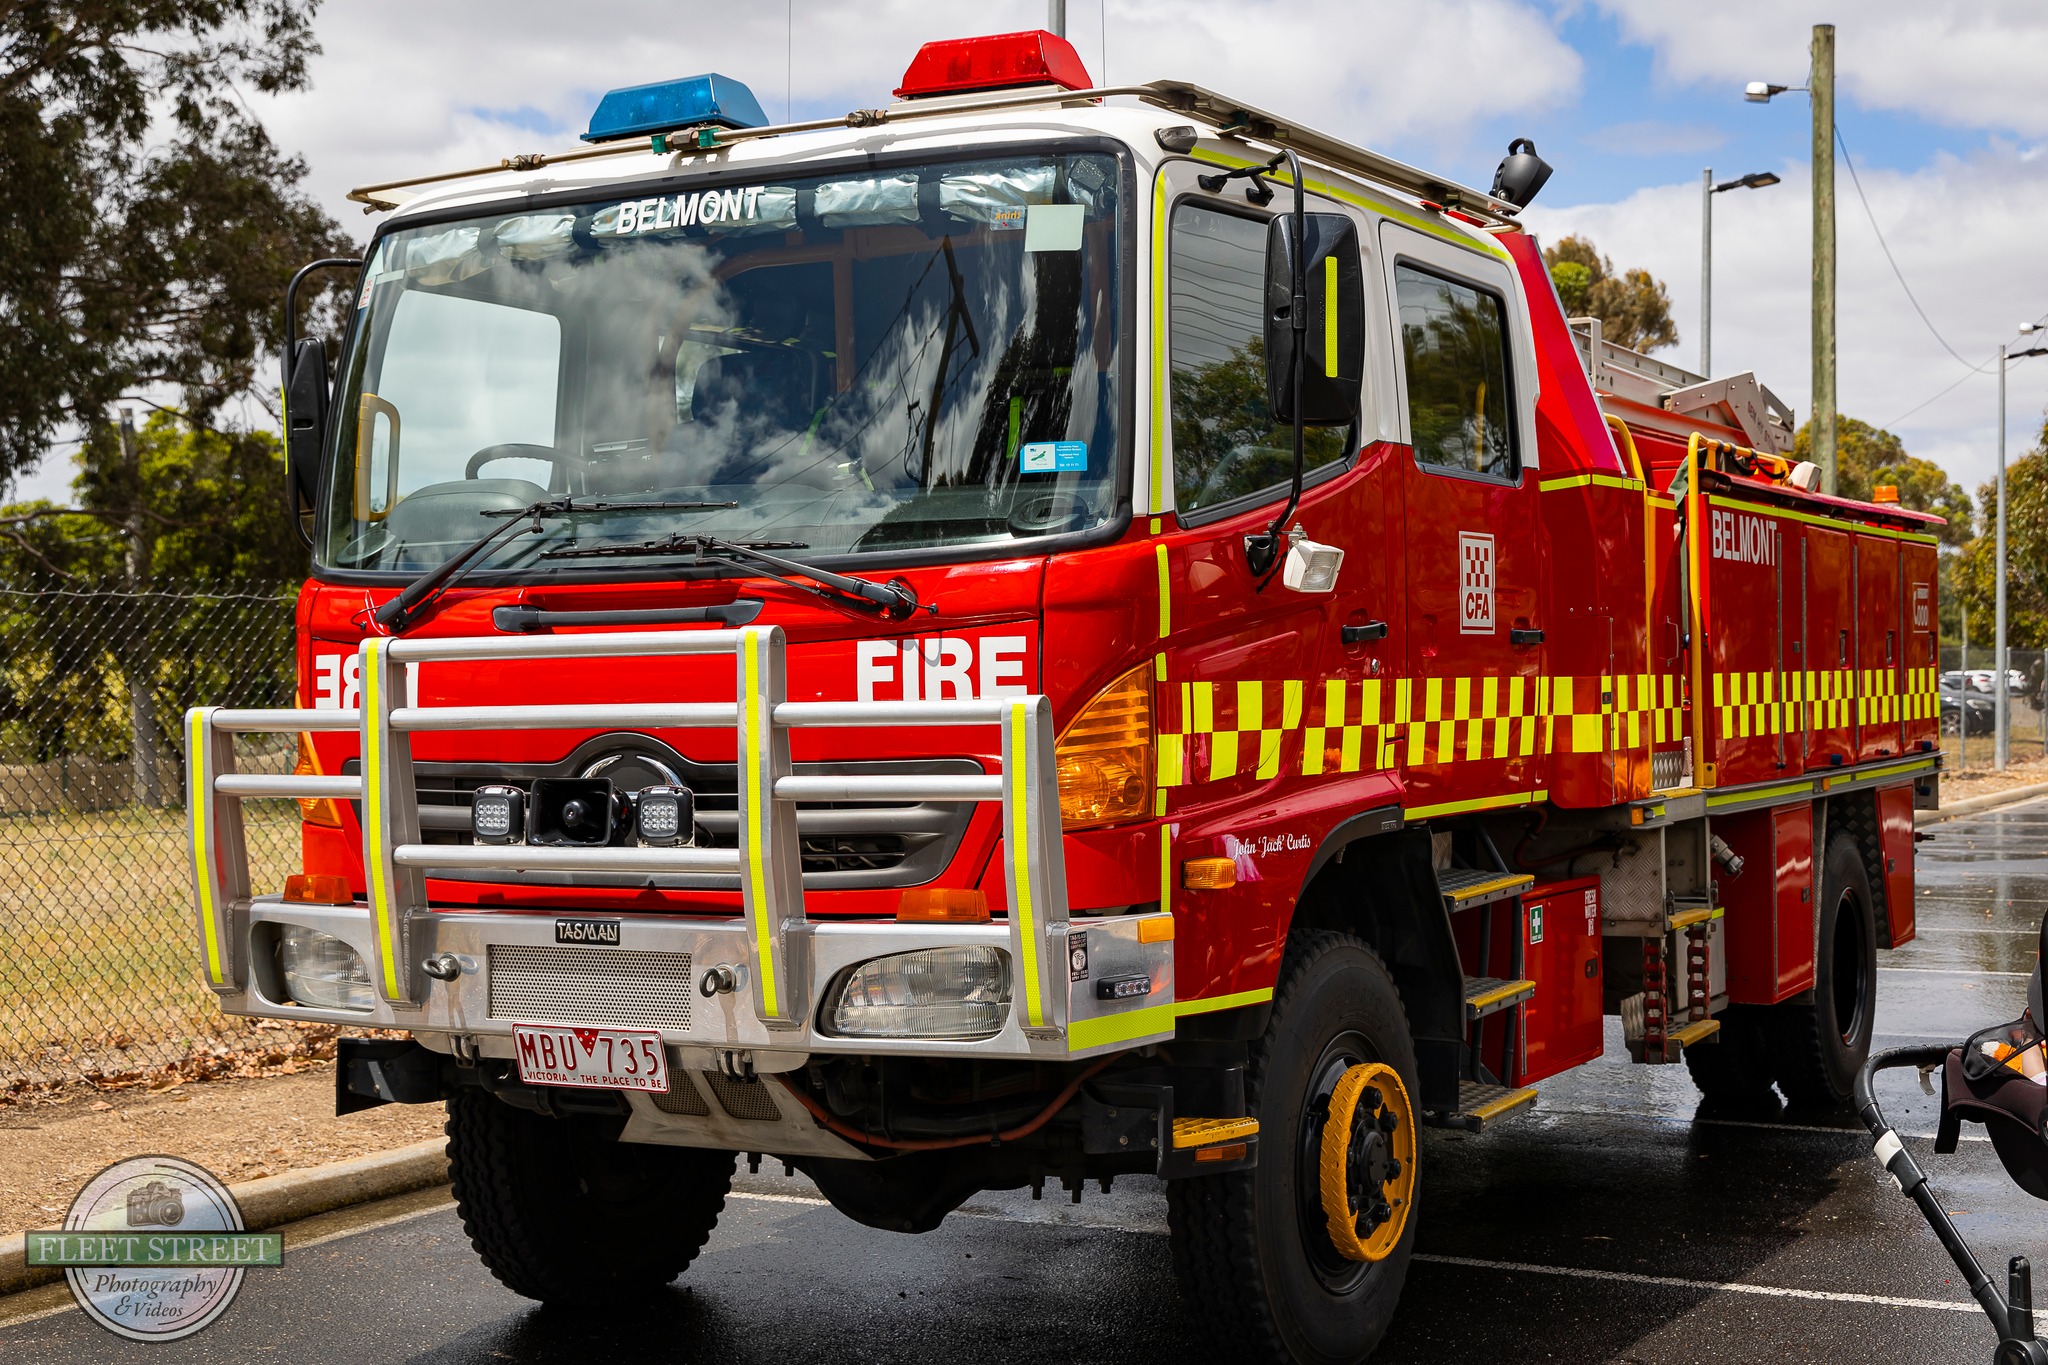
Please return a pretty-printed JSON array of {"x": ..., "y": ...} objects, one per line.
[{"x": 1368, "y": 1162}]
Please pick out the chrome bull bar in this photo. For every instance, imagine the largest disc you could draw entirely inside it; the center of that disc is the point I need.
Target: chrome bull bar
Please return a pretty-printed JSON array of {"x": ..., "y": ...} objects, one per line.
[{"x": 766, "y": 863}]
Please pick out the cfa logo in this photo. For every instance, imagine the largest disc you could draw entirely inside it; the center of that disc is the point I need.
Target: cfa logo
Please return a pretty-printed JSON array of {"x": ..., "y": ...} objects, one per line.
[
  {"x": 940, "y": 668},
  {"x": 1475, "y": 583},
  {"x": 1744, "y": 539}
]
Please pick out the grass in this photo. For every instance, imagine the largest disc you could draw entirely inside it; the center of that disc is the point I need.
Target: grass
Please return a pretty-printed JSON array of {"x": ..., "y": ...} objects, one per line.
[{"x": 99, "y": 962}]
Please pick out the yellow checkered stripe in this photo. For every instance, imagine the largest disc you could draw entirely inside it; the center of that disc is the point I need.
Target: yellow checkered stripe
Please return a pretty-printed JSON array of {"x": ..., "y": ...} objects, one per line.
[
  {"x": 1213, "y": 731},
  {"x": 1748, "y": 705}
]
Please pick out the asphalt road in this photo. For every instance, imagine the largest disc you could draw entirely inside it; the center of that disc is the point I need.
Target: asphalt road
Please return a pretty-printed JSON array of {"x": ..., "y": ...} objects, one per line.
[{"x": 1618, "y": 1223}]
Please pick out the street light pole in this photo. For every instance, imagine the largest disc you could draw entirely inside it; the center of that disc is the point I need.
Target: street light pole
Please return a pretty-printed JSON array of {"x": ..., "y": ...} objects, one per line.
[
  {"x": 1822, "y": 93},
  {"x": 1056, "y": 18},
  {"x": 1998, "y": 689},
  {"x": 1755, "y": 180},
  {"x": 1707, "y": 273},
  {"x": 2000, "y": 665}
]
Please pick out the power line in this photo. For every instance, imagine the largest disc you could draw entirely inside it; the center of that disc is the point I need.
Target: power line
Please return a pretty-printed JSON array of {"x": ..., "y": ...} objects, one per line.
[
  {"x": 1974, "y": 373},
  {"x": 1885, "y": 247}
]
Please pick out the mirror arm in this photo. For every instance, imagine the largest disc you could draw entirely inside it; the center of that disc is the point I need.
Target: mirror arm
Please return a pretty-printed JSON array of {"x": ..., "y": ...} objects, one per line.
[
  {"x": 1262, "y": 552},
  {"x": 291, "y": 302}
]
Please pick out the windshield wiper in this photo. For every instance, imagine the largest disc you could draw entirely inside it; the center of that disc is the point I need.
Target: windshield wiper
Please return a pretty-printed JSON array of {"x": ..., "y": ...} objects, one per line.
[
  {"x": 405, "y": 611},
  {"x": 893, "y": 599}
]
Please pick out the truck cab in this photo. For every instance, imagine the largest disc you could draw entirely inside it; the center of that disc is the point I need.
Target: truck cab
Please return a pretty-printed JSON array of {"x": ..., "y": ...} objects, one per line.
[{"x": 1014, "y": 638}]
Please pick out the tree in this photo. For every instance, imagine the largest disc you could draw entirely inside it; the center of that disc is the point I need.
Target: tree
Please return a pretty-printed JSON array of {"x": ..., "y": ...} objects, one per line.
[
  {"x": 2026, "y": 555},
  {"x": 147, "y": 222},
  {"x": 162, "y": 505},
  {"x": 149, "y": 228},
  {"x": 1867, "y": 456},
  {"x": 1634, "y": 307}
]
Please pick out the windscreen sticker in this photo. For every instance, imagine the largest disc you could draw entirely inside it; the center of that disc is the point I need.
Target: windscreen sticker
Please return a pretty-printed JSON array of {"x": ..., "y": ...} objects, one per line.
[
  {"x": 1054, "y": 457},
  {"x": 1053, "y": 227}
]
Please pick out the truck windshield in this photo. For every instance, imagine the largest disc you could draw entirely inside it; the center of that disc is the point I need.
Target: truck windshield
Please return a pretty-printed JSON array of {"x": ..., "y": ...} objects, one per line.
[{"x": 863, "y": 361}]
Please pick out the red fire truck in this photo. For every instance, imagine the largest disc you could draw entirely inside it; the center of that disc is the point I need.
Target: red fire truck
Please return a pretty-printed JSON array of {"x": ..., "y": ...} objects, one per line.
[{"x": 1039, "y": 632}]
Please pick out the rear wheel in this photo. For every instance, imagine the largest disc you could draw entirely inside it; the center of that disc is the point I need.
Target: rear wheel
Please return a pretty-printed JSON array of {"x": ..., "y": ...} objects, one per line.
[
  {"x": 1734, "y": 1069},
  {"x": 1823, "y": 1042},
  {"x": 561, "y": 1211},
  {"x": 1253, "y": 1249}
]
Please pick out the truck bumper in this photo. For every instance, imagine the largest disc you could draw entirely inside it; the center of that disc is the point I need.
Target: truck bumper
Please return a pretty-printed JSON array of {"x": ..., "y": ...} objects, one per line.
[{"x": 513, "y": 971}]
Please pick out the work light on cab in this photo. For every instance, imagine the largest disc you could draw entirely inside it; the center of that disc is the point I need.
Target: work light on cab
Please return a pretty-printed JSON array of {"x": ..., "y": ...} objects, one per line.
[
  {"x": 664, "y": 106},
  {"x": 1000, "y": 61}
]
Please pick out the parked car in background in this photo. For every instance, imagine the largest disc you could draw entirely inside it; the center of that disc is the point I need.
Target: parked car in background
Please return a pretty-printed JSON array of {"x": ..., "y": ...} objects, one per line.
[{"x": 1969, "y": 706}]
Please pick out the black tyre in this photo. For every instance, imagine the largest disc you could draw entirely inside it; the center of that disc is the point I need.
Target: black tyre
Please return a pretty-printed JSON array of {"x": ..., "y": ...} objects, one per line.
[
  {"x": 1252, "y": 1249},
  {"x": 1734, "y": 1070},
  {"x": 563, "y": 1212},
  {"x": 1823, "y": 1042}
]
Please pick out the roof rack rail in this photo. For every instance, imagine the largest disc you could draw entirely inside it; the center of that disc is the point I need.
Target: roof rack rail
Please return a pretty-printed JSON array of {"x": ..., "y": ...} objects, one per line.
[{"x": 1228, "y": 116}]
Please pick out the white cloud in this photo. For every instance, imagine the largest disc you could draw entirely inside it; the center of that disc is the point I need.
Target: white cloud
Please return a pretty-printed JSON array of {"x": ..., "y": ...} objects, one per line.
[
  {"x": 1971, "y": 63},
  {"x": 1655, "y": 137},
  {"x": 406, "y": 88},
  {"x": 1964, "y": 232}
]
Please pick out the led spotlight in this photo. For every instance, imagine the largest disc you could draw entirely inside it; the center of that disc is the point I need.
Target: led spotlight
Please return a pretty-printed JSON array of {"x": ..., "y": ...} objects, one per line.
[
  {"x": 497, "y": 815},
  {"x": 667, "y": 816}
]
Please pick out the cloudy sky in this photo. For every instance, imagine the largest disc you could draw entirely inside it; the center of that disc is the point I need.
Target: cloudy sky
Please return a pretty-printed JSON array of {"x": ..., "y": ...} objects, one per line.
[{"x": 1940, "y": 106}]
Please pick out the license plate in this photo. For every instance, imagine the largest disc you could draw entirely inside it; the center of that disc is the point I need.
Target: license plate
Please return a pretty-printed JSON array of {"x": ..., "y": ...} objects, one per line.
[{"x": 592, "y": 1058}]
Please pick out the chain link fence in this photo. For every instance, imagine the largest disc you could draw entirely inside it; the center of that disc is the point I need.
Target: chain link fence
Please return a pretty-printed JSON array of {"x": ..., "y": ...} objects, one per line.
[
  {"x": 1969, "y": 701},
  {"x": 98, "y": 970}
]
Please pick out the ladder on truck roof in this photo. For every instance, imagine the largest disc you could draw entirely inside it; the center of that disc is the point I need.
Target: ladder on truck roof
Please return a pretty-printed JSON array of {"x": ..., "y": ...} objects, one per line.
[{"x": 1738, "y": 401}]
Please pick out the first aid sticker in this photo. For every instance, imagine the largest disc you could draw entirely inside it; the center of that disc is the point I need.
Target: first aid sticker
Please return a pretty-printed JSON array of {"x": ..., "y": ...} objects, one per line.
[{"x": 1054, "y": 457}]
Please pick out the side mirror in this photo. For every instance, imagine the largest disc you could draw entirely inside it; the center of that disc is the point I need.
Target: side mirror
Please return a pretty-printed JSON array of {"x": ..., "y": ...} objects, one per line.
[
  {"x": 1334, "y": 342},
  {"x": 305, "y": 431}
]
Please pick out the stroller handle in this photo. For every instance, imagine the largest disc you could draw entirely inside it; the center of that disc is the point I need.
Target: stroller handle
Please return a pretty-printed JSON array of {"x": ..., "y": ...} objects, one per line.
[{"x": 1891, "y": 1154}]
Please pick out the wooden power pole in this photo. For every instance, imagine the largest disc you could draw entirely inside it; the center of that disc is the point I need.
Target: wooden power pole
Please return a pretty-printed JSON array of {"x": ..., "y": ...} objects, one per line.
[{"x": 1821, "y": 88}]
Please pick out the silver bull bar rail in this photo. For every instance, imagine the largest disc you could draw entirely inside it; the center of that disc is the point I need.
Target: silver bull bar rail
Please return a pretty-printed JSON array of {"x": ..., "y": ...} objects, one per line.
[{"x": 777, "y": 936}]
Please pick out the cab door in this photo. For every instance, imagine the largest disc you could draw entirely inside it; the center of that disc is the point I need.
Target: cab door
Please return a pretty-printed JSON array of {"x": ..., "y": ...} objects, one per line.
[{"x": 1471, "y": 712}]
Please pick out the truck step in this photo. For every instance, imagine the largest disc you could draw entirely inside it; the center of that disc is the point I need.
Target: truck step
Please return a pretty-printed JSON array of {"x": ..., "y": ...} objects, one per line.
[
  {"x": 1486, "y": 995},
  {"x": 1696, "y": 1032},
  {"x": 1481, "y": 1103},
  {"x": 1465, "y": 887},
  {"x": 1194, "y": 1132}
]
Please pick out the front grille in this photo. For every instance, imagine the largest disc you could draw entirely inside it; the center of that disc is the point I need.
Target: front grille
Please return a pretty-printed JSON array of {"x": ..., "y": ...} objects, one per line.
[
  {"x": 625, "y": 987},
  {"x": 841, "y": 844},
  {"x": 748, "y": 1099}
]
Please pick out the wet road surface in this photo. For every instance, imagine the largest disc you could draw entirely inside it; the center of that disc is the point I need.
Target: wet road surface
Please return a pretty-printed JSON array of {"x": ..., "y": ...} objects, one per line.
[{"x": 1618, "y": 1223}]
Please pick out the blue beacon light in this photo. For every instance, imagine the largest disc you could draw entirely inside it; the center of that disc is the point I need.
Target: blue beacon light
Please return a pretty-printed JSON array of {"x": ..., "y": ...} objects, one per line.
[{"x": 664, "y": 106}]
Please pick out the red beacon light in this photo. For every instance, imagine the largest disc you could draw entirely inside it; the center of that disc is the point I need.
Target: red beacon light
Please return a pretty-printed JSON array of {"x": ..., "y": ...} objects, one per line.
[{"x": 1002, "y": 61}]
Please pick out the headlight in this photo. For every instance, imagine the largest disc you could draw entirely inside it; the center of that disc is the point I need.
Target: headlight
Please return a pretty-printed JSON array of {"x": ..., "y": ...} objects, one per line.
[
  {"x": 323, "y": 972},
  {"x": 933, "y": 993},
  {"x": 1105, "y": 757}
]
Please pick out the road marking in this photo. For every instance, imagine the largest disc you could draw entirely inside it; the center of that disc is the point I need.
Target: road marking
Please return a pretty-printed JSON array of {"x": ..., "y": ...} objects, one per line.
[
  {"x": 781, "y": 1198},
  {"x": 1710, "y": 1286},
  {"x": 1952, "y": 971},
  {"x": 1568, "y": 1272}
]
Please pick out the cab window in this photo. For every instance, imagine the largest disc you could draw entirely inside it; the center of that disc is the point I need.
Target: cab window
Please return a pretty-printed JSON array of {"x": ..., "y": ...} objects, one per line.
[
  {"x": 1454, "y": 342},
  {"x": 1225, "y": 442}
]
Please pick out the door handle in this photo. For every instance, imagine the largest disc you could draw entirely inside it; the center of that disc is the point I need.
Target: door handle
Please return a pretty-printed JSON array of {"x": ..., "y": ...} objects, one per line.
[
  {"x": 1371, "y": 630},
  {"x": 1517, "y": 636}
]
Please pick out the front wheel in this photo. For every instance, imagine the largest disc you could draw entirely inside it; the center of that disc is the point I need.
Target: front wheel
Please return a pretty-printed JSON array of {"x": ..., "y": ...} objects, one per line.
[
  {"x": 1254, "y": 1250},
  {"x": 561, "y": 1211},
  {"x": 1823, "y": 1042}
]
